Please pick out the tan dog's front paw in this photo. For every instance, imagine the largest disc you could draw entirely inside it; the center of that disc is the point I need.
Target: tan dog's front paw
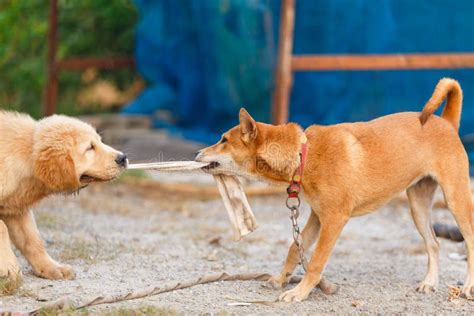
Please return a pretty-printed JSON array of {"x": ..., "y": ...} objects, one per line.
[
  {"x": 294, "y": 295},
  {"x": 56, "y": 271},
  {"x": 468, "y": 292},
  {"x": 425, "y": 287},
  {"x": 10, "y": 276},
  {"x": 277, "y": 282}
]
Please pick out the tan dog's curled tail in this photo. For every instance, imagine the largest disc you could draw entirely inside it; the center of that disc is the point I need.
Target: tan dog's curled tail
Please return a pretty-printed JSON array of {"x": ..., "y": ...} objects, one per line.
[{"x": 450, "y": 89}]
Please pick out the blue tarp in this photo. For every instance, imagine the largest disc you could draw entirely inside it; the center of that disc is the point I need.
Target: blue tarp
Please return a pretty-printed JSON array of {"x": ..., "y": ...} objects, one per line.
[{"x": 203, "y": 60}]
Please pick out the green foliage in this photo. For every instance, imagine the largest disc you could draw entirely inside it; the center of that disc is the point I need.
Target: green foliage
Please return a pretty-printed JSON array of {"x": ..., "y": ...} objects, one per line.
[
  {"x": 133, "y": 174},
  {"x": 97, "y": 28}
]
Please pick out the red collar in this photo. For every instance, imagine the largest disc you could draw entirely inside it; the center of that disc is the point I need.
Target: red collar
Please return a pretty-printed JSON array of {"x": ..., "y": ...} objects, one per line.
[{"x": 295, "y": 183}]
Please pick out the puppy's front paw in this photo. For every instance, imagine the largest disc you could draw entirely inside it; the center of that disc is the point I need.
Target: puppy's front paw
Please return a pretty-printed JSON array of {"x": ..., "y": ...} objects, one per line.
[
  {"x": 296, "y": 294},
  {"x": 10, "y": 276},
  {"x": 56, "y": 271}
]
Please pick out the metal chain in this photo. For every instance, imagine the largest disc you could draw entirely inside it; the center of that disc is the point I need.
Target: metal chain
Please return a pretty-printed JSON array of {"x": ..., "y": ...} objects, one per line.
[{"x": 294, "y": 214}]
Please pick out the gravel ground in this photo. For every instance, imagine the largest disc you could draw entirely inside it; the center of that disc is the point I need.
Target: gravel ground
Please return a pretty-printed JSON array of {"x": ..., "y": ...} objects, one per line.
[{"x": 119, "y": 238}]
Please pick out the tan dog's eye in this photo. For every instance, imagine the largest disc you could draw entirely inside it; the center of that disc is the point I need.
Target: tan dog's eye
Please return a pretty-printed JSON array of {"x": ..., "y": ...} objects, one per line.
[
  {"x": 91, "y": 147},
  {"x": 224, "y": 140}
]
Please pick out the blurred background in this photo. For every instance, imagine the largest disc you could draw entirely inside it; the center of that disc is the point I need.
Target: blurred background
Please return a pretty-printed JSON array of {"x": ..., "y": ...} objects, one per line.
[
  {"x": 193, "y": 64},
  {"x": 85, "y": 28},
  {"x": 162, "y": 78}
]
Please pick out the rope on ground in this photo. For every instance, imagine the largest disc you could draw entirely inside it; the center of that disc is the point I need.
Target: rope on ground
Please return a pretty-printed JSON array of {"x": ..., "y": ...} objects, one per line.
[{"x": 69, "y": 304}]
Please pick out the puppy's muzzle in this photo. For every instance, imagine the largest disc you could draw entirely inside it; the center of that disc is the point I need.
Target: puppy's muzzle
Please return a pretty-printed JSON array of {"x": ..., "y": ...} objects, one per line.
[{"x": 121, "y": 160}]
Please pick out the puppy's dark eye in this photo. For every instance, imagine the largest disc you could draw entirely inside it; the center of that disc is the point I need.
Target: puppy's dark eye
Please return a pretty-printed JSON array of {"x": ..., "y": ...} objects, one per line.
[
  {"x": 223, "y": 140},
  {"x": 91, "y": 147}
]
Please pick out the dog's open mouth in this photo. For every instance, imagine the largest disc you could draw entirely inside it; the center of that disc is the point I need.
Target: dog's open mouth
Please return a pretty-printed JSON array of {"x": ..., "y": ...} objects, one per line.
[
  {"x": 85, "y": 178},
  {"x": 211, "y": 166}
]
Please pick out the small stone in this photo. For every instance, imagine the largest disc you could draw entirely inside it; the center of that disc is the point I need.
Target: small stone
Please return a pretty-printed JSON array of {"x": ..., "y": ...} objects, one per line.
[{"x": 357, "y": 303}]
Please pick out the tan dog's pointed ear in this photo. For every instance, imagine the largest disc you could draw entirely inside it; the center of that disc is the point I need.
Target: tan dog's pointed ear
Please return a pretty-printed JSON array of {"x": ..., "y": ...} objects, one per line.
[
  {"x": 248, "y": 126},
  {"x": 56, "y": 169}
]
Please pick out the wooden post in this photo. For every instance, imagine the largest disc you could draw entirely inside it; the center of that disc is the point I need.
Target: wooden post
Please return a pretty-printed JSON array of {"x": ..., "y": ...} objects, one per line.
[
  {"x": 281, "y": 94},
  {"x": 51, "y": 89},
  {"x": 382, "y": 62}
]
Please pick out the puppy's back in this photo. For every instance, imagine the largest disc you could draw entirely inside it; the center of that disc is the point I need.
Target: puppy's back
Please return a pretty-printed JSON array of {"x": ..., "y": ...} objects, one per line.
[
  {"x": 15, "y": 125},
  {"x": 16, "y": 144}
]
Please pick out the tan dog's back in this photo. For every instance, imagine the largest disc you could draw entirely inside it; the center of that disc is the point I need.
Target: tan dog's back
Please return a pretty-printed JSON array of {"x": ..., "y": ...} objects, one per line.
[{"x": 351, "y": 154}]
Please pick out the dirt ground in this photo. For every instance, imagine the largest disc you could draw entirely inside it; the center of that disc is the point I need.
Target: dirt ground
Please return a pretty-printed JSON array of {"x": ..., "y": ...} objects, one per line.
[{"x": 120, "y": 237}]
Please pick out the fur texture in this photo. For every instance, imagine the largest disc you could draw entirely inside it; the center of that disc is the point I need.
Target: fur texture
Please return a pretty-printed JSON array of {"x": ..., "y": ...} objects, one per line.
[
  {"x": 354, "y": 168},
  {"x": 57, "y": 154}
]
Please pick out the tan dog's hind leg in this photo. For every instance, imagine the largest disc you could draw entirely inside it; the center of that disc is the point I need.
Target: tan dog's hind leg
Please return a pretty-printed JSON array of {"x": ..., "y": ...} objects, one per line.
[
  {"x": 331, "y": 227},
  {"x": 457, "y": 193},
  {"x": 26, "y": 238},
  {"x": 308, "y": 235},
  {"x": 420, "y": 196},
  {"x": 10, "y": 272}
]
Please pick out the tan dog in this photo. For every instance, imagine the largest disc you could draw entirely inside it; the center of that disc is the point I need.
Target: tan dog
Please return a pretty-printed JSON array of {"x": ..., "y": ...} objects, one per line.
[
  {"x": 354, "y": 168},
  {"x": 58, "y": 154}
]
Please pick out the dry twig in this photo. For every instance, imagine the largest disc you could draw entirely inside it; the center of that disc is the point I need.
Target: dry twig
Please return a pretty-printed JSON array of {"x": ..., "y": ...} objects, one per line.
[{"x": 69, "y": 304}]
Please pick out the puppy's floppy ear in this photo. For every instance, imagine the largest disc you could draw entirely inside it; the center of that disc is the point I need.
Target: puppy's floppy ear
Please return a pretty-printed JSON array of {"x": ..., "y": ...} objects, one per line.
[
  {"x": 248, "y": 126},
  {"x": 55, "y": 167}
]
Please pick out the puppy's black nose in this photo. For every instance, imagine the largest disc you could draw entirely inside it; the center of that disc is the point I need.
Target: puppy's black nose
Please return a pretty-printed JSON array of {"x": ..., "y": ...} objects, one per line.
[{"x": 121, "y": 160}]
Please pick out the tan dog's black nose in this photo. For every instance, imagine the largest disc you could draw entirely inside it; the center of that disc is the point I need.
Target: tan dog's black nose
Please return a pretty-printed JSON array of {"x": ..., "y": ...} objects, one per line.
[{"x": 121, "y": 160}]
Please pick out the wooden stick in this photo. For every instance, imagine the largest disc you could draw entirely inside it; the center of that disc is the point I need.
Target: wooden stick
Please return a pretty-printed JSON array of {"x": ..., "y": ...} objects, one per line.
[
  {"x": 169, "y": 166},
  {"x": 232, "y": 193},
  {"x": 69, "y": 304}
]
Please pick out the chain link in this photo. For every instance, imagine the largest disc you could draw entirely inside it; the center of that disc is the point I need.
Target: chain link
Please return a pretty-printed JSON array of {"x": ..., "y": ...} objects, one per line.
[
  {"x": 294, "y": 214},
  {"x": 293, "y": 201}
]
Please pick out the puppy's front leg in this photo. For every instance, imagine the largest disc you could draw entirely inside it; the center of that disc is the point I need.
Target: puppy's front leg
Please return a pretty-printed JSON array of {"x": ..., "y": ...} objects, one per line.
[
  {"x": 331, "y": 227},
  {"x": 10, "y": 272},
  {"x": 26, "y": 238}
]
